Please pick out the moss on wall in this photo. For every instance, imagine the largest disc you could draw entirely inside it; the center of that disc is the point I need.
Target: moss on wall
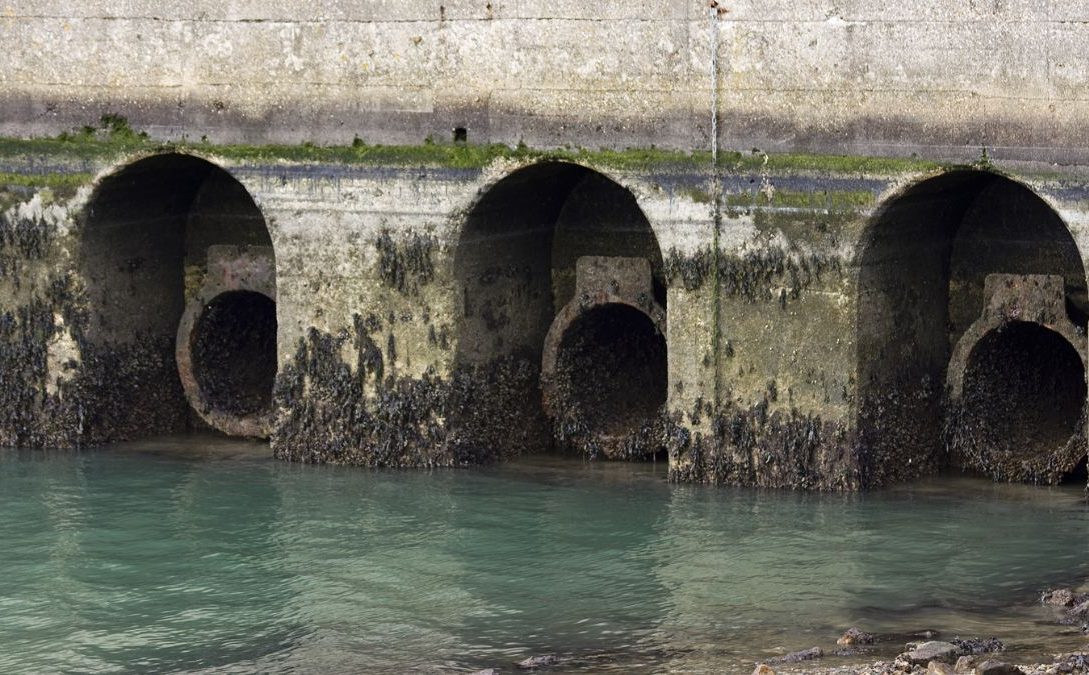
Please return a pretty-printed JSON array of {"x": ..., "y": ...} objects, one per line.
[
  {"x": 112, "y": 137},
  {"x": 50, "y": 187}
]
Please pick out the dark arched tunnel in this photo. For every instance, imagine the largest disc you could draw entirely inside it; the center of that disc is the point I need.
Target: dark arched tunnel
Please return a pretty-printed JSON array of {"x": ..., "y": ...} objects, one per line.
[
  {"x": 923, "y": 267},
  {"x": 147, "y": 254},
  {"x": 517, "y": 265}
]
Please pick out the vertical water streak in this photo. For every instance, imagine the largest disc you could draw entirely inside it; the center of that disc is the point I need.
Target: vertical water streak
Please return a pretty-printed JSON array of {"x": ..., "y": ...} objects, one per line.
[{"x": 716, "y": 201}]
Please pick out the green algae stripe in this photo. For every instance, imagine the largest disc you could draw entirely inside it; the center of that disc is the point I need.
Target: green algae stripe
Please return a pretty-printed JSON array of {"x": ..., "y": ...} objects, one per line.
[
  {"x": 55, "y": 180},
  {"x": 834, "y": 199},
  {"x": 18, "y": 187},
  {"x": 91, "y": 145}
]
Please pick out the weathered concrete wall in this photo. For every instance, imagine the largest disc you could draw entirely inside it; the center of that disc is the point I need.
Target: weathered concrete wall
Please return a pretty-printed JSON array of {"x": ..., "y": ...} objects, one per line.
[
  {"x": 940, "y": 78},
  {"x": 771, "y": 400},
  {"x": 812, "y": 302}
]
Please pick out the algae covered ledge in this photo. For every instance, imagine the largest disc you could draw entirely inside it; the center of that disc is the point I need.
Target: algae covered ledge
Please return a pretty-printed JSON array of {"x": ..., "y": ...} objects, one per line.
[{"x": 418, "y": 293}]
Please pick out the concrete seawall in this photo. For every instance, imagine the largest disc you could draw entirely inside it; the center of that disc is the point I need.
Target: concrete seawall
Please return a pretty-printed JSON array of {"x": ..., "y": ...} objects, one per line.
[
  {"x": 363, "y": 233},
  {"x": 413, "y": 299}
]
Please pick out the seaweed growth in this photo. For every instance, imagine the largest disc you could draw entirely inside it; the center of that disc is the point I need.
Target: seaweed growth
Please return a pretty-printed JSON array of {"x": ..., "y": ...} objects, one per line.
[
  {"x": 772, "y": 273},
  {"x": 609, "y": 386},
  {"x": 405, "y": 266},
  {"x": 689, "y": 271},
  {"x": 101, "y": 393},
  {"x": 116, "y": 391},
  {"x": 332, "y": 412},
  {"x": 26, "y": 238},
  {"x": 754, "y": 447},
  {"x": 494, "y": 410},
  {"x": 26, "y": 329},
  {"x": 1022, "y": 415},
  {"x": 125, "y": 391},
  {"x": 893, "y": 445},
  {"x": 234, "y": 352},
  {"x": 23, "y": 336},
  {"x": 22, "y": 241}
]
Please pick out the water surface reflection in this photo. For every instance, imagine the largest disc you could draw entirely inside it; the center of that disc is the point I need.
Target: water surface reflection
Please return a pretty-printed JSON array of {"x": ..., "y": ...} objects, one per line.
[{"x": 208, "y": 556}]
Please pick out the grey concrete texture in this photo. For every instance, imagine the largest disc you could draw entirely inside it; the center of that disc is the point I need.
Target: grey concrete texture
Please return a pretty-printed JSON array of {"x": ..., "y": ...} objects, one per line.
[{"x": 940, "y": 78}]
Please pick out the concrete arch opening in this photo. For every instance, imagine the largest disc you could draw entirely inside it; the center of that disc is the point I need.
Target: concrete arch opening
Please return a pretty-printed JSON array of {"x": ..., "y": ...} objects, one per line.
[
  {"x": 163, "y": 237},
  {"x": 1024, "y": 388},
  {"x": 932, "y": 263},
  {"x": 518, "y": 266}
]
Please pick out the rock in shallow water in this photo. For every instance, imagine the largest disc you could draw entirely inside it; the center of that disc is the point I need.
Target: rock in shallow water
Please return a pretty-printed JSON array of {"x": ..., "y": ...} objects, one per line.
[
  {"x": 997, "y": 668},
  {"x": 539, "y": 661},
  {"x": 935, "y": 650},
  {"x": 1077, "y": 613},
  {"x": 853, "y": 651},
  {"x": 1061, "y": 597},
  {"x": 803, "y": 655},
  {"x": 855, "y": 636},
  {"x": 1077, "y": 662},
  {"x": 978, "y": 645}
]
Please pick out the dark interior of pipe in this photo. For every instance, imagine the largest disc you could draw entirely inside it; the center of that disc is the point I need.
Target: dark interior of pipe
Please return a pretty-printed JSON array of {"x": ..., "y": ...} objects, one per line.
[
  {"x": 1024, "y": 392},
  {"x": 234, "y": 352},
  {"x": 611, "y": 370}
]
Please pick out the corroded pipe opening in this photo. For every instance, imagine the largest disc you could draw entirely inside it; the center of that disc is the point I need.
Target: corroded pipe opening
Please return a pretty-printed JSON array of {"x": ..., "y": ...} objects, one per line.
[
  {"x": 234, "y": 352},
  {"x": 226, "y": 344},
  {"x": 1021, "y": 414},
  {"x": 610, "y": 376},
  {"x": 927, "y": 267}
]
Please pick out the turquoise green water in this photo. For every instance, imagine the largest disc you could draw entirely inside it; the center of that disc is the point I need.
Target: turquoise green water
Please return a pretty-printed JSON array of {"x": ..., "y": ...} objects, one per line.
[{"x": 202, "y": 556}]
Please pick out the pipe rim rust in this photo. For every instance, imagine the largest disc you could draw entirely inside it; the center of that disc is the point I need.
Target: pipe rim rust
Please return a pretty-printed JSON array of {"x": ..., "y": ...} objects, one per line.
[
  {"x": 231, "y": 269},
  {"x": 600, "y": 281}
]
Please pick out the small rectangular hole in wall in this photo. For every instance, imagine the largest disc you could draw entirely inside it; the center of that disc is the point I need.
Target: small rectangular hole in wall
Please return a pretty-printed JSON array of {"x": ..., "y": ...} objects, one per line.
[{"x": 461, "y": 135}]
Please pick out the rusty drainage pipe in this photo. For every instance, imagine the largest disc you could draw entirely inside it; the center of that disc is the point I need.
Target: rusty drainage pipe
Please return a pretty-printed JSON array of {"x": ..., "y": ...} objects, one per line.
[
  {"x": 1016, "y": 384},
  {"x": 611, "y": 321},
  {"x": 226, "y": 342}
]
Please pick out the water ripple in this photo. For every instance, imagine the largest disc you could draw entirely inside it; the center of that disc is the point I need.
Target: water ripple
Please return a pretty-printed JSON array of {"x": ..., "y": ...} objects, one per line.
[{"x": 128, "y": 561}]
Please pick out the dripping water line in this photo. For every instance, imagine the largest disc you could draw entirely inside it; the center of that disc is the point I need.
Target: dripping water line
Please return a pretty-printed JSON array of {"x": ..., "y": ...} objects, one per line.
[
  {"x": 714, "y": 84},
  {"x": 716, "y": 206}
]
